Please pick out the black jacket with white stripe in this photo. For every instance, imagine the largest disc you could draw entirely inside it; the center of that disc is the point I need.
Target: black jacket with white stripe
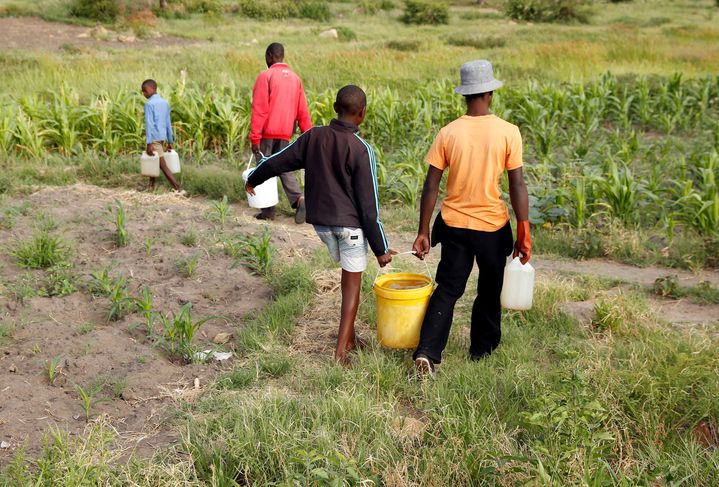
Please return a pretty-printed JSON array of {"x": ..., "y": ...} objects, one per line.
[{"x": 340, "y": 179}]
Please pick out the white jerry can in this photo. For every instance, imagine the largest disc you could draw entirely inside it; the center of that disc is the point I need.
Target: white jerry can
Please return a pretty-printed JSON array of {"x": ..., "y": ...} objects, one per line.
[
  {"x": 518, "y": 286},
  {"x": 150, "y": 165},
  {"x": 172, "y": 159}
]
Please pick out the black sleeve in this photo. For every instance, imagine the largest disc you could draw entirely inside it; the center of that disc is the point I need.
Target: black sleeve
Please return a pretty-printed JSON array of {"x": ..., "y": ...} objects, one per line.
[
  {"x": 364, "y": 182},
  {"x": 289, "y": 159}
]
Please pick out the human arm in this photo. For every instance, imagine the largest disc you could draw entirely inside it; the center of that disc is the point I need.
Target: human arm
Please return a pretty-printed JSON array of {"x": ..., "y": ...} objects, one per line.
[
  {"x": 518, "y": 196},
  {"x": 430, "y": 190},
  {"x": 520, "y": 204},
  {"x": 303, "y": 113},
  {"x": 260, "y": 110},
  {"x": 289, "y": 159},
  {"x": 149, "y": 123},
  {"x": 364, "y": 183},
  {"x": 168, "y": 123}
]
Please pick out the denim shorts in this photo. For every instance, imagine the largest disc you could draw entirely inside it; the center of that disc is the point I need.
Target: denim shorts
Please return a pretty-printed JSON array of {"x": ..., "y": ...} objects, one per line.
[{"x": 348, "y": 246}]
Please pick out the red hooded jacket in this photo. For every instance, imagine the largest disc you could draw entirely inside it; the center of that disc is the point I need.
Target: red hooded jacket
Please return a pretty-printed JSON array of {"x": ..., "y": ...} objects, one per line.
[{"x": 278, "y": 99}]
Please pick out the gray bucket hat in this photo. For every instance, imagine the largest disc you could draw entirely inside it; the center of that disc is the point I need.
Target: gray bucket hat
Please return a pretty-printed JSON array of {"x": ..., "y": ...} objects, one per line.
[{"x": 477, "y": 77}]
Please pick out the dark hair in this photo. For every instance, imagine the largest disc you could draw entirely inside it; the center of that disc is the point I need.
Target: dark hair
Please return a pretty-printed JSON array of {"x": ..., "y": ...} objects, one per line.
[
  {"x": 477, "y": 95},
  {"x": 149, "y": 82},
  {"x": 350, "y": 100},
  {"x": 275, "y": 51}
]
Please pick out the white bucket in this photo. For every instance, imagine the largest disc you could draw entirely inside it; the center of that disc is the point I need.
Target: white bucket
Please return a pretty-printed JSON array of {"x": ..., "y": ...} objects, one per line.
[
  {"x": 266, "y": 195},
  {"x": 150, "y": 165},
  {"x": 518, "y": 286},
  {"x": 172, "y": 159}
]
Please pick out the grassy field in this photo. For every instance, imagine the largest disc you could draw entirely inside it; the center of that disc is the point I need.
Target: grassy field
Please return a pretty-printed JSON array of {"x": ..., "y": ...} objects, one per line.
[
  {"x": 622, "y": 402},
  {"x": 619, "y": 119}
]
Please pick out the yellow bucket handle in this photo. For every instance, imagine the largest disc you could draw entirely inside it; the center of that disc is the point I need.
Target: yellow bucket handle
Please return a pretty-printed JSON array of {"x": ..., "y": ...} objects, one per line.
[{"x": 409, "y": 252}]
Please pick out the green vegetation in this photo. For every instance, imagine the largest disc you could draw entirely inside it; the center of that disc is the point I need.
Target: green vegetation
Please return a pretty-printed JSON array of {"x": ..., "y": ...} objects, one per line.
[
  {"x": 53, "y": 369},
  {"x": 253, "y": 251},
  {"x": 87, "y": 396},
  {"x": 119, "y": 299},
  {"x": 144, "y": 305},
  {"x": 222, "y": 210},
  {"x": 669, "y": 287},
  {"x": 546, "y": 405},
  {"x": 102, "y": 10},
  {"x": 188, "y": 265},
  {"x": 189, "y": 238},
  {"x": 621, "y": 165},
  {"x": 425, "y": 12},
  {"x": 122, "y": 236},
  {"x": 61, "y": 281},
  {"x": 41, "y": 252},
  {"x": 179, "y": 331},
  {"x": 548, "y": 10}
]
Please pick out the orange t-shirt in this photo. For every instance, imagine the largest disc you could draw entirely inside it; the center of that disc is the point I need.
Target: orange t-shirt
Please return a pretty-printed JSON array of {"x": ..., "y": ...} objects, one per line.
[{"x": 477, "y": 150}]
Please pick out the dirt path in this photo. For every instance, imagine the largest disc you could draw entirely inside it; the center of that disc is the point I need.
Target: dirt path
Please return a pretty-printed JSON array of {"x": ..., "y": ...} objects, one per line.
[
  {"x": 644, "y": 276},
  {"x": 34, "y": 33}
]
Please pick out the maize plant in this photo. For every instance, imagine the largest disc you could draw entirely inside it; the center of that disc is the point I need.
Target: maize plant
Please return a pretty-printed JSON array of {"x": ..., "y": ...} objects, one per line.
[{"x": 593, "y": 146}]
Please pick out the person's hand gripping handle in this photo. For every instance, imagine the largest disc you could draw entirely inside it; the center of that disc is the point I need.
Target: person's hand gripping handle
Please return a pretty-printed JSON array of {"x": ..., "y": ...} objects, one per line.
[{"x": 523, "y": 244}]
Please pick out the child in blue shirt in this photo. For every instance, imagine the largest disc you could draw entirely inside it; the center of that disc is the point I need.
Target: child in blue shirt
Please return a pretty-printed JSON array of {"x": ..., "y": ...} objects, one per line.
[{"x": 158, "y": 129}]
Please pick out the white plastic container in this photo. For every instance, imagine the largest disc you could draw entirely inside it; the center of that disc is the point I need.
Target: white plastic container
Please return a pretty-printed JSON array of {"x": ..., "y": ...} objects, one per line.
[
  {"x": 172, "y": 159},
  {"x": 150, "y": 165},
  {"x": 266, "y": 194},
  {"x": 518, "y": 287}
]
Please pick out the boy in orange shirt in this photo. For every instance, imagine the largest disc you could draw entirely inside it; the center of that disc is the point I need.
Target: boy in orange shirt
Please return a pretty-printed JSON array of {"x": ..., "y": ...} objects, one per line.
[{"x": 473, "y": 223}]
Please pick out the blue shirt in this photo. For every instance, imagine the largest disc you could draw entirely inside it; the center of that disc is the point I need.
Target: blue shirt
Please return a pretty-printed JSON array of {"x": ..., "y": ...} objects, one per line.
[{"x": 158, "y": 126}]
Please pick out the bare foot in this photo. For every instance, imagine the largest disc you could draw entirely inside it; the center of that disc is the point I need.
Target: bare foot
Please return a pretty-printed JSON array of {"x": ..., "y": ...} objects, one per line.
[
  {"x": 343, "y": 360},
  {"x": 357, "y": 343}
]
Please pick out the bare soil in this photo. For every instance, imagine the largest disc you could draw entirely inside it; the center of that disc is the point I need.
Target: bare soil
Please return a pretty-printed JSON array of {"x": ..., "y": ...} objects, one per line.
[
  {"x": 138, "y": 378},
  {"x": 34, "y": 33}
]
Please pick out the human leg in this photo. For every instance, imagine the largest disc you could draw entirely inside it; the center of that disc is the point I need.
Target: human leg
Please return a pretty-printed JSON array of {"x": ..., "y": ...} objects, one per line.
[
  {"x": 159, "y": 149},
  {"x": 455, "y": 265},
  {"x": 351, "y": 284},
  {"x": 491, "y": 250},
  {"x": 168, "y": 174}
]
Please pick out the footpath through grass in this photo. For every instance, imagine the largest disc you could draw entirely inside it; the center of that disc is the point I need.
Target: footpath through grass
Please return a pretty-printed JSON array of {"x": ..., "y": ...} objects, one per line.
[{"x": 624, "y": 402}]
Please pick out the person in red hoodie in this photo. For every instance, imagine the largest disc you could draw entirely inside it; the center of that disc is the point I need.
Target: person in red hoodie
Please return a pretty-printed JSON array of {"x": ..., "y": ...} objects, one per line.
[{"x": 278, "y": 101}]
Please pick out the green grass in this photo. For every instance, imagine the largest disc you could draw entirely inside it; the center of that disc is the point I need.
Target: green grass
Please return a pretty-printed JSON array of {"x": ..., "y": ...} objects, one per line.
[
  {"x": 624, "y": 36},
  {"x": 669, "y": 287},
  {"x": 43, "y": 251},
  {"x": 557, "y": 402}
]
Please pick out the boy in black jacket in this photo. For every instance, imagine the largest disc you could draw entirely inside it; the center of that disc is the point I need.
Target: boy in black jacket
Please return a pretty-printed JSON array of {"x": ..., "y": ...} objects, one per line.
[{"x": 341, "y": 196}]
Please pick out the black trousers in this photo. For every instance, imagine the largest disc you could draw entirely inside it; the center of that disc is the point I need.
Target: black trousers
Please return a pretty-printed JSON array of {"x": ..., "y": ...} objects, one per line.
[
  {"x": 461, "y": 247},
  {"x": 289, "y": 181}
]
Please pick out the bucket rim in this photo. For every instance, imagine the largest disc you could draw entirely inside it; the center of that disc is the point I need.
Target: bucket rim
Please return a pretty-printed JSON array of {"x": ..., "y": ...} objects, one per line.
[{"x": 415, "y": 293}]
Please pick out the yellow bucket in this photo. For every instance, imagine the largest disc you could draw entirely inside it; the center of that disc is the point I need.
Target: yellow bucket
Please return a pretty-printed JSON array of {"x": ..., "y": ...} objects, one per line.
[{"x": 402, "y": 300}]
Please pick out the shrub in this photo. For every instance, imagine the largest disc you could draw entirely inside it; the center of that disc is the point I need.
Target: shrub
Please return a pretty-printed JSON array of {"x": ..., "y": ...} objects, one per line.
[
  {"x": 314, "y": 10},
  {"x": 371, "y": 7},
  {"x": 102, "y": 10},
  {"x": 548, "y": 10},
  {"x": 345, "y": 34},
  {"x": 477, "y": 42},
  {"x": 202, "y": 6},
  {"x": 282, "y": 9},
  {"x": 425, "y": 12}
]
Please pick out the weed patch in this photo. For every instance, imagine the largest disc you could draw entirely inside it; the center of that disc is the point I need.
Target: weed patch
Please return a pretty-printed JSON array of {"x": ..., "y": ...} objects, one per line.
[{"x": 43, "y": 251}]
